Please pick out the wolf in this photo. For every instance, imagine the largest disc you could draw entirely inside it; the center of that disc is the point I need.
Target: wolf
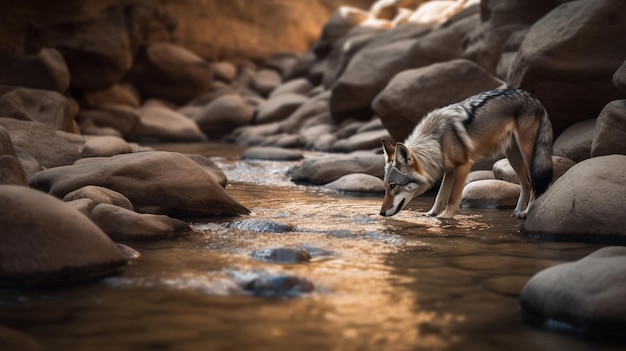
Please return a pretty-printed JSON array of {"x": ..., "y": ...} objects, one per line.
[{"x": 448, "y": 140}]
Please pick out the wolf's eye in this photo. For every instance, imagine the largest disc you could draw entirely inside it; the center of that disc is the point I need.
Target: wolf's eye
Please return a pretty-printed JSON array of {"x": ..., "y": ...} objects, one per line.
[{"x": 392, "y": 186}]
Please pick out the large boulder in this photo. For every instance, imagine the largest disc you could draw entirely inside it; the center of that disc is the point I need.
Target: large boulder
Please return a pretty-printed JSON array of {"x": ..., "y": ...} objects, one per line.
[
  {"x": 575, "y": 141},
  {"x": 572, "y": 51},
  {"x": 154, "y": 181},
  {"x": 69, "y": 247},
  {"x": 48, "y": 107},
  {"x": 45, "y": 70},
  {"x": 586, "y": 203},
  {"x": 370, "y": 69},
  {"x": 585, "y": 296},
  {"x": 223, "y": 115},
  {"x": 610, "y": 130},
  {"x": 411, "y": 94},
  {"x": 168, "y": 71},
  {"x": 159, "y": 123}
]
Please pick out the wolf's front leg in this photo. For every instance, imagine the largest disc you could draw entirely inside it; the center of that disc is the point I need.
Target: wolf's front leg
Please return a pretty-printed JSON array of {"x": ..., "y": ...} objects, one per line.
[
  {"x": 460, "y": 175},
  {"x": 443, "y": 195}
]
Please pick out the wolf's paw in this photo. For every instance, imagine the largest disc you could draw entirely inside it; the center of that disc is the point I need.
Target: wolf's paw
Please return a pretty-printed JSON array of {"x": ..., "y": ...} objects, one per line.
[{"x": 520, "y": 214}]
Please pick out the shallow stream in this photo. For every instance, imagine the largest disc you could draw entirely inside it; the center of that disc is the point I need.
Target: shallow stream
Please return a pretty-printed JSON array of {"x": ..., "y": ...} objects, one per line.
[{"x": 407, "y": 282}]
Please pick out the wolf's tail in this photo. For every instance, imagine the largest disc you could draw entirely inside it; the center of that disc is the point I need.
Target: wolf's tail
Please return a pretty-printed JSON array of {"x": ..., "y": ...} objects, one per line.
[{"x": 541, "y": 169}]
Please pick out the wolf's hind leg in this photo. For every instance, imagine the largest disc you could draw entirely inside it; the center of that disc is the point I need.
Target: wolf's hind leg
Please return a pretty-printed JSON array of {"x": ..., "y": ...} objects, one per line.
[
  {"x": 443, "y": 195},
  {"x": 521, "y": 167},
  {"x": 460, "y": 175}
]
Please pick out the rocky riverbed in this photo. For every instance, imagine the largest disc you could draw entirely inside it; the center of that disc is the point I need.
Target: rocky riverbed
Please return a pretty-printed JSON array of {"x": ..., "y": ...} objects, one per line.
[{"x": 79, "y": 116}]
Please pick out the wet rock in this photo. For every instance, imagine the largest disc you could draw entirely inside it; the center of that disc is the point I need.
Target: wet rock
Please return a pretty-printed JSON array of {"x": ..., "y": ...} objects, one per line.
[
  {"x": 490, "y": 194},
  {"x": 575, "y": 142},
  {"x": 100, "y": 195},
  {"x": 410, "y": 95},
  {"x": 299, "y": 86},
  {"x": 575, "y": 37},
  {"x": 158, "y": 123},
  {"x": 122, "y": 224},
  {"x": 223, "y": 115},
  {"x": 324, "y": 170},
  {"x": 128, "y": 251},
  {"x": 373, "y": 67},
  {"x": 171, "y": 72},
  {"x": 362, "y": 141},
  {"x": 38, "y": 142},
  {"x": 584, "y": 296},
  {"x": 357, "y": 183},
  {"x": 282, "y": 255},
  {"x": 45, "y": 70},
  {"x": 184, "y": 188},
  {"x": 211, "y": 168},
  {"x": 278, "y": 108},
  {"x": 48, "y": 107},
  {"x": 584, "y": 204},
  {"x": 282, "y": 285},
  {"x": 70, "y": 247},
  {"x": 104, "y": 146},
  {"x": 610, "y": 130},
  {"x": 122, "y": 119},
  {"x": 264, "y": 81},
  {"x": 271, "y": 154},
  {"x": 261, "y": 225},
  {"x": 117, "y": 94}
]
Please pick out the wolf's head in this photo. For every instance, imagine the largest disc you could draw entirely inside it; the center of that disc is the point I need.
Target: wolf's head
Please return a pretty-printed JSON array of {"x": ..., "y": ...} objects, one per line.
[{"x": 403, "y": 180}]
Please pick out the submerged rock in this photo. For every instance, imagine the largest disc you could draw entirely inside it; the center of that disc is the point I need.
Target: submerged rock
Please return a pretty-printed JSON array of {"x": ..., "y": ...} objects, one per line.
[
  {"x": 46, "y": 242},
  {"x": 585, "y": 296},
  {"x": 261, "y": 225},
  {"x": 281, "y": 285},
  {"x": 282, "y": 255}
]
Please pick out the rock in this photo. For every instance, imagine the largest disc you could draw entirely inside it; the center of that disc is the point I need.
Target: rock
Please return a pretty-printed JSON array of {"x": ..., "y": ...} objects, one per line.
[
  {"x": 211, "y": 168},
  {"x": 11, "y": 170},
  {"x": 619, "y": 78},
  {"x": 217, "y": 89},
  {"x": 157, "y": 123},
  {"x": 584, "y": 204},
  {"x": 479, "y": 175},
  {"x": 224, "y": 71},
  {"x": 580, "y": 36},
  {"x": 610, "y": 130},
  {"x": 310, "y": 135},
  {"x": 314, "y": 106},
  {"x": 324, "y": 170},
  {"x": 104, "y": 146},
  {"x": 45, "y": 70},
  {"x": 575, "y": 142},
  {"x": 370, "y": 69},
  {"x": 281, "y": 62},
  {"x": 357, "y": 183},
  {"x": 116, "y": 94},
  {"x": 122, "y": 119},
  {"x": 48, "y": 107},
  {"x": 410, "y": 95},
  {"x": 84, "y": 206},
  {"x": 37, "y": 142},
  {"x": 264, "y": 81},
  {"x": 499, "y": 20},
  {"x": 300, "y": 86},
  {"x": 502, "y": 169},
  {"x": 70, "y": 248},
  {"x": 153, "y": 181},
  {"x": 171, "y": 72},
  {"x": 281, "y": 255},
  {"x": 122, "y": 224},
  {"x": 584, "y": 296},
  {"x": 560, "y": 165},
  {"x": 223, "y": 115},
  {"x": 278, "y": 108},
  {"x": 490, "y": 194},
  {"x": 271, "y": 154},
  {"x": 282, "y": 285},
  {"x": 261, "y": 226},
  {"x": 362, "y": 141},
  {"x": 100, "y": 195}
]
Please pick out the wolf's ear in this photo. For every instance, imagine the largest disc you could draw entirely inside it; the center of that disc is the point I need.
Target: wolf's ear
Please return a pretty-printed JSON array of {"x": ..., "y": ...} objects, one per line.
[
  {"x": 403, "y": 155},
  {"x": 388, "y": 149}
]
